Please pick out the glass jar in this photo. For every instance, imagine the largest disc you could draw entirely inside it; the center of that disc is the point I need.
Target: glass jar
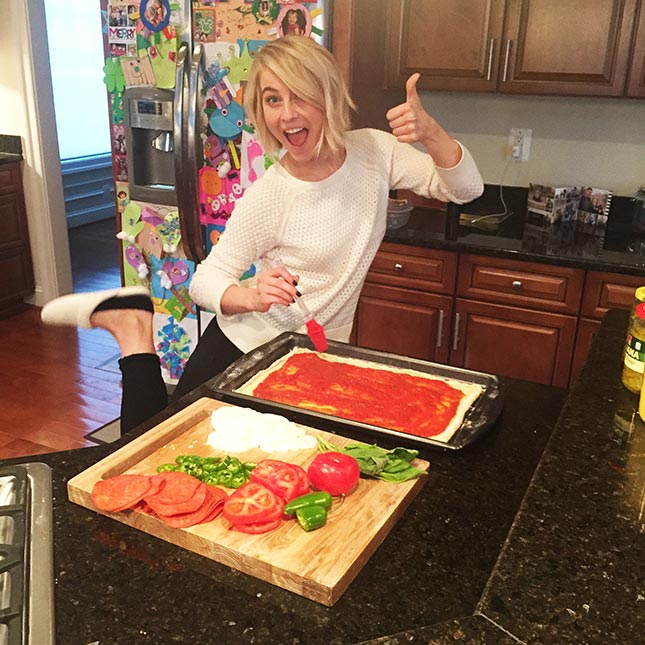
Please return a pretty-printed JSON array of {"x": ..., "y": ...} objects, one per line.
[
  {"x": 634, "y": 357},
  {"x": 637, "y": 241}
]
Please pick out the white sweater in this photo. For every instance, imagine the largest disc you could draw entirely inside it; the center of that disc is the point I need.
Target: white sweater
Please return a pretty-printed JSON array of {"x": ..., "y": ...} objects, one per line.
[{"x": 326, "y": 232}]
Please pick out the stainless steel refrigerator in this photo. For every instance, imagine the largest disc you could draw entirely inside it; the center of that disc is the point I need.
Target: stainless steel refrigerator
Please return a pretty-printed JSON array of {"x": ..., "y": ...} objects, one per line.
[{"x": 181, "y": 149}]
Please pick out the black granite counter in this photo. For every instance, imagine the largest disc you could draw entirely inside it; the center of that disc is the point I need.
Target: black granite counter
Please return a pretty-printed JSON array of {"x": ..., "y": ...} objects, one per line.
[
  {"x": 532, "y": 534},
  {"x": 10, "y": 148},
  {"x": 616, "y": 247}
]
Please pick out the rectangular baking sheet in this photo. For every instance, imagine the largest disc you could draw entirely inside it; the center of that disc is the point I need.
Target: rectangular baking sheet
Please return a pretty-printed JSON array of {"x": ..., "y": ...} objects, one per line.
[{"x": 482, "y": 415}]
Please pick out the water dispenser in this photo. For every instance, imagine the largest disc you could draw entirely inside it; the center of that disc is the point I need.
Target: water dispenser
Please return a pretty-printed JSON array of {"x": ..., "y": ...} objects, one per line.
[{"x": 149, "y": 140}]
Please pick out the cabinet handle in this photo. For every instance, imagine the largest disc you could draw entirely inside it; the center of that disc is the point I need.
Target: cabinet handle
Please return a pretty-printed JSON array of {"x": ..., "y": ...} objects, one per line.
[
  {"x": 398, "y": 267},
  {"x": 455, "y": 340},
  {"x": 440, "y": 328},
  {"x": 508, "y": 51},
  {"x": 516, "y": 284},
  {"x": 491, "y": 46}
]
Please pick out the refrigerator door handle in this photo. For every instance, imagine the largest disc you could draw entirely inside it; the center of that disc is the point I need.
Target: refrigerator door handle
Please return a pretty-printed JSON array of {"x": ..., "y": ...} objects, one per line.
[
  {"x": 194, "y": 154},
  {"x": 179, "y": 147}
]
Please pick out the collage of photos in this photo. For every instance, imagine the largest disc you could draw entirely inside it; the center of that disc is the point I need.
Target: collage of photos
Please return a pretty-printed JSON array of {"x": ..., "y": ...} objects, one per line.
[{"x": 569, "y": 220}]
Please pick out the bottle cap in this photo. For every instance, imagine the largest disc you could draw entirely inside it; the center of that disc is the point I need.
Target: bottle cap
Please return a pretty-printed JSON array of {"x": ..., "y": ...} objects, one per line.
[{"x": 639, "y": 294}]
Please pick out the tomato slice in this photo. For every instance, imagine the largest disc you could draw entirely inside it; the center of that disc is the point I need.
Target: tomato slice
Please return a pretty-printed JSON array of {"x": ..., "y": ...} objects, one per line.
[
  {"x": 252, "y": 503},
  {"x": 260, "y": 527},
  {"x": 269, "y": 468},
  {"x": 286, "y": 480}
]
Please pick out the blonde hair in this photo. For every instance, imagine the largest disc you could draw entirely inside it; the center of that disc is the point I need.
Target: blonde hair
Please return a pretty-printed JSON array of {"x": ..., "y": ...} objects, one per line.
[{"x": 311, "y": 73}]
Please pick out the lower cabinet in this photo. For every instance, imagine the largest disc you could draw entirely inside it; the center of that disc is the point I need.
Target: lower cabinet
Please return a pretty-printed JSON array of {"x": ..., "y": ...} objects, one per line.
[
  {"x": 16, "y": 269},
  {"x": 586, "y": 331},
  {"x": 514, "y": 318},
  {"x": 406, "y": 322},
  {"x": 603, "y": 291},
  {"x": 531, "y": 345}
]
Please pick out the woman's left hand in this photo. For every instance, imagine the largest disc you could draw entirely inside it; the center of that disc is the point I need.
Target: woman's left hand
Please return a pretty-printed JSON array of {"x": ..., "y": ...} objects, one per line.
[{"x": 411, "y": 123}]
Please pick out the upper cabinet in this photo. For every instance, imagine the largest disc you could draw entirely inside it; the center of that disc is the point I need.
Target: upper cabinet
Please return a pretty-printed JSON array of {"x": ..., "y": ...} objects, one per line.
[
  {"x": 454, "y": 45},
  {"x": 636, "y": 80},
  {"x": 570, "y": 47}
]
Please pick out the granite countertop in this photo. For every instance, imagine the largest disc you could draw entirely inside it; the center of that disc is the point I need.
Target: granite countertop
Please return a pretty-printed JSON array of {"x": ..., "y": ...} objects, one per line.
[
  {"x": 10, "y": 148},
  {"x": 533, "y": 534},
  {"x": 518, "y": 238}
]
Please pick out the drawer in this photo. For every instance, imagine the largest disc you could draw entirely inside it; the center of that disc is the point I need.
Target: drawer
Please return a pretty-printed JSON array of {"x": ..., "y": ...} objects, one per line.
[
  {"x": 524, "y": 284},
  {"x": 604, "y": 291},
  {"x": 412, "y": 267}
]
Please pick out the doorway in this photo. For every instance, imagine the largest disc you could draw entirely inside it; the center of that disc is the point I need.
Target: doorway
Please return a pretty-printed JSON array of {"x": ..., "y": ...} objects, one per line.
[{"x": 83, "y": 130}]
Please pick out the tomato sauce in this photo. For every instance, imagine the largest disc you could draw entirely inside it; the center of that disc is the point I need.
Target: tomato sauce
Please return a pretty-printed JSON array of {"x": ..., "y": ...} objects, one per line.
[{"x": 404, "y": 402}]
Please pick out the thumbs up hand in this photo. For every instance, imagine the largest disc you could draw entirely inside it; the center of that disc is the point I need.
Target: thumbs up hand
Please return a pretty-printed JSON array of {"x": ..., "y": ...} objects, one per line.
[{"x": 411, "y": 123}]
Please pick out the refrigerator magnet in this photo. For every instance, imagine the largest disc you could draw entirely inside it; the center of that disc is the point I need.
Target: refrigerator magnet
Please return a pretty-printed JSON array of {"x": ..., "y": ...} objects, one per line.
[
  {"x": 154, "y": 14},
  {"x": 294, "y": 20}
]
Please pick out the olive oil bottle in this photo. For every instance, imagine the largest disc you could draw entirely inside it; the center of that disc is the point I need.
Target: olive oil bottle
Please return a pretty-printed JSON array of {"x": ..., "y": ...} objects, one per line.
[{"x": 634, "y": 359}]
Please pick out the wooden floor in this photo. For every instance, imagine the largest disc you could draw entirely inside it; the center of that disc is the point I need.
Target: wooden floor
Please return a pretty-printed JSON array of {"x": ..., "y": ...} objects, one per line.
[{"x": 58, "y": 384}]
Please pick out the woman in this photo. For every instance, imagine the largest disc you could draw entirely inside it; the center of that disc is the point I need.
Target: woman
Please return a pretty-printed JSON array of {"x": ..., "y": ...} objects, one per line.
[{"x": 313, "y": 222}]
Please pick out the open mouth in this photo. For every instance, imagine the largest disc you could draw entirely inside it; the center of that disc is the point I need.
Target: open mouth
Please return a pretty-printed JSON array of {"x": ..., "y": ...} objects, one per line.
[{"x": 297, "y": 136}]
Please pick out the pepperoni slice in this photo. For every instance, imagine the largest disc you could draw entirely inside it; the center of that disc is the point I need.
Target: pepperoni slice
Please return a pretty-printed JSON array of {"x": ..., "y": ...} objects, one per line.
[
  {"x": 168, "y": 508},
  {"x": 121, "y": 492},
  {"x": 211, "y": 507},
  {"x": 178, "y": 499},
  {"x": 177, "y": 487}
]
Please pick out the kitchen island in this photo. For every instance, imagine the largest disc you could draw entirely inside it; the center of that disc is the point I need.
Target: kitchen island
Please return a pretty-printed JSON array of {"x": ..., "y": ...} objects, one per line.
[{"x": 533, "y": 534}]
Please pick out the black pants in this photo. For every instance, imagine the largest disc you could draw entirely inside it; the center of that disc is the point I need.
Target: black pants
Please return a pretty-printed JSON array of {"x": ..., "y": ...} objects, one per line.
[{"x": 144, "y": 391}]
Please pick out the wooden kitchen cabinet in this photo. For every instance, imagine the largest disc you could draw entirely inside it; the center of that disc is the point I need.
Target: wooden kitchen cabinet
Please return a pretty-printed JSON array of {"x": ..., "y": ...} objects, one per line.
[
  {"x": 516, "y": 318},
  {"x": 16, "y": 269},
  {"x": 405, "y": 322},
  {"x": 636, "y": 78},
  {"x": 526, "y": 320},
  {"x": 406, "y": 303},
  {"x": 586, "y": 331},
  {"x": 603, "y": 291},
  {"x": 520, "y": 343},
  {"x": 454, "y": 45},
  {"x": 525, "y": 284},
  {"x": 570, "y": 47}
]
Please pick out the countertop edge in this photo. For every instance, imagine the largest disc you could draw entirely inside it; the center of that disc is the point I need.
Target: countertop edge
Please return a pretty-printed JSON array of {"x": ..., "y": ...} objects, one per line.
[{"x": 516, "y": 604}]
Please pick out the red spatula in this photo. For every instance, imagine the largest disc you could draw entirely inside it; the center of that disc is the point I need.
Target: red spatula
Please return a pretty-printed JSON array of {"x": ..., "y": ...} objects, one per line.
[{"x": 315, "y": 330}]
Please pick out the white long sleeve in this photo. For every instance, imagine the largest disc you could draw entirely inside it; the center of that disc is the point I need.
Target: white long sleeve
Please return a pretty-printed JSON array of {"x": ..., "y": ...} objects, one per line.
[{"x": 326, "y": 232}]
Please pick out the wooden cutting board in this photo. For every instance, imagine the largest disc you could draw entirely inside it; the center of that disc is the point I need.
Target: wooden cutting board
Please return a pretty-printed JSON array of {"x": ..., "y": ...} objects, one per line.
[{"x": 318, "y": 565}]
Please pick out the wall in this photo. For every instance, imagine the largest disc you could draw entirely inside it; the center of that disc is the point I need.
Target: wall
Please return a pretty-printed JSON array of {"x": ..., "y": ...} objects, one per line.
[
  {"x": 27, "y": 111},
  {"x": 596, "y": 141}
]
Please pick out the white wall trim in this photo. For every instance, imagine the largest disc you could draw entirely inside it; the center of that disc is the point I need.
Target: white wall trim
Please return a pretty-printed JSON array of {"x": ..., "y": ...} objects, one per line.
[{"x": 41, "y": 169}]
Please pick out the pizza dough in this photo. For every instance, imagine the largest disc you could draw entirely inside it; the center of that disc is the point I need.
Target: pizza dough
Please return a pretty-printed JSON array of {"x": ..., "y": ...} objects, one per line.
[{"x": 382, "y": 395}]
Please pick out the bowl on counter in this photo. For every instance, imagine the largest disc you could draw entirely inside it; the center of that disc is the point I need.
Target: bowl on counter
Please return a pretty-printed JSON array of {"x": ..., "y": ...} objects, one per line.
[{"x": 398, "y": 213}]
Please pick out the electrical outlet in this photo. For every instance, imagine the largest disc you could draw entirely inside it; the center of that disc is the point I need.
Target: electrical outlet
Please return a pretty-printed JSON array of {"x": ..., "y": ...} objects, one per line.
[{"x": 519, "y": 144}]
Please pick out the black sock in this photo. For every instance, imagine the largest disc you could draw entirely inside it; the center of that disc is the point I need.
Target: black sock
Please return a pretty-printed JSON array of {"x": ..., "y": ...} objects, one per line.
[{"x": 126, "y": 302}]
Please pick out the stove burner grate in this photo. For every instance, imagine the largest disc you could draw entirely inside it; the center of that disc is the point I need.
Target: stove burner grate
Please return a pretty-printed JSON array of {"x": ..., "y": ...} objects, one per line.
[{"x": 26, "y": 572}]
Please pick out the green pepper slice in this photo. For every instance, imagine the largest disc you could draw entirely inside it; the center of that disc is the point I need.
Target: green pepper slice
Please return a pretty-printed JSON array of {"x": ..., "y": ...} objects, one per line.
[
  {"x": 318, "y": 498},
  {"x": 311, "y": 517}
]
